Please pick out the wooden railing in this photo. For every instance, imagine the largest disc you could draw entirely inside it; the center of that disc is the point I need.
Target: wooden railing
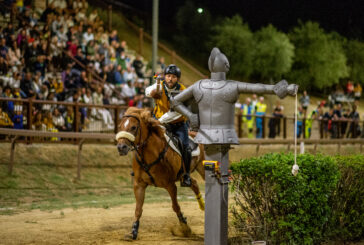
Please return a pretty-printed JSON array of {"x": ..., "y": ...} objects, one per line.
[
  {"x": 15, "y": 136},
  {"x": 286, "y": 121},
  {"x": 30, "y": 103}
]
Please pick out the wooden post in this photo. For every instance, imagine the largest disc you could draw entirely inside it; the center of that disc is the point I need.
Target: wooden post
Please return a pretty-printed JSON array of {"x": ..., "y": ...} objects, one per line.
[
  {"x": 30, "y": 118},
  {"x": 257, "y": 150},
  {"x": 79, "y": 159},
  {"x": 173, "y": 57},
  {"x": 321, "y": 129},
  {"x": 30, "y": 114},
  {"x": 109, "y": 18},
  {"x": 285, "y": 127},
  {"x": 141, "y": 41},
  {"x": 315, "y": 149},
  {"x": 76, "y": 120},
  {"x": 116, "y": 120},
  {"x": 12, "y": 150},
  {"x": 338, "y": 148},
  {"x": 240, "y": 131}
]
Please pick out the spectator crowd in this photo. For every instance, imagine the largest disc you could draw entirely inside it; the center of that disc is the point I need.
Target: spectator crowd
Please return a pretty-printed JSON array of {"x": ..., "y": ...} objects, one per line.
[{"x": 63, "y": 53}]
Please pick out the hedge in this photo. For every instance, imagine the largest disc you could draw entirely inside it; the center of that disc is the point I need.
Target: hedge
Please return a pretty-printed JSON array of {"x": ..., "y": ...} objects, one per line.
[{"x": 273, "y": 205}]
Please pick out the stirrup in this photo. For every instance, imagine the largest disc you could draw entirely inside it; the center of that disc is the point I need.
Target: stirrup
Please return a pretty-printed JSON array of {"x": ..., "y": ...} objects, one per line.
[{"x": 186, "y": 181}]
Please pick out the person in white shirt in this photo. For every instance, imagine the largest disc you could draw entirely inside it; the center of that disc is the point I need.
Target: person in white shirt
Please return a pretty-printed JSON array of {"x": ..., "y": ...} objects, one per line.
[{"x": 88, "y": 36}]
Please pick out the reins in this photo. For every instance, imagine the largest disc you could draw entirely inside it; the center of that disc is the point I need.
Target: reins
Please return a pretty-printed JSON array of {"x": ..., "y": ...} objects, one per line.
[{"x": 140, "y": 156}]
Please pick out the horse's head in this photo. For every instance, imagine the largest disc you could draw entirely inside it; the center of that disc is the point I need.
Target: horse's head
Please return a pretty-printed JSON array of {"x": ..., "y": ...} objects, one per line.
[{"x": 134, "y": 129}]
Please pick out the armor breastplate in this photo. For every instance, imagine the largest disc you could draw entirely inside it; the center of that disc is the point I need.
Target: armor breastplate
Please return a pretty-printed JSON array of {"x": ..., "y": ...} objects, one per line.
[{"x": 216, "y": 109}]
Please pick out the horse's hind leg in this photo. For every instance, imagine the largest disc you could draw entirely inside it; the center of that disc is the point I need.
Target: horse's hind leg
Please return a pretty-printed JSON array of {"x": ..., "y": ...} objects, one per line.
[
  {"x": 139, "y": 193},
  {"x": 172, "y": 190},
  {"x": 196, "y": 190}
]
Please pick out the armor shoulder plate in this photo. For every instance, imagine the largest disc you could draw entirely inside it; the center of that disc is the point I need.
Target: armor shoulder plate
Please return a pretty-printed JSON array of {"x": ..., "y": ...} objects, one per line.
[{"x": 197, "y": 93}]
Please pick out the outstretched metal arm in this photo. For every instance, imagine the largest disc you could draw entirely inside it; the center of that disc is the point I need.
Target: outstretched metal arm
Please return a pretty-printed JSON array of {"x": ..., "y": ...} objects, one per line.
[
  {"x": 281, "y": 89},
  {"x": 177, "y": 104}
]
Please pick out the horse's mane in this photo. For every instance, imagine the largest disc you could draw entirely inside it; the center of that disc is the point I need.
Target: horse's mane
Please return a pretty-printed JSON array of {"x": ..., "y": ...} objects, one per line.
[{"x": 146, "y": 116}]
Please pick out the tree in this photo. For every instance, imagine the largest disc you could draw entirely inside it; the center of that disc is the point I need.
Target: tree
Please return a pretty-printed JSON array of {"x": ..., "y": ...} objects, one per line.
[
  {"x": 235, "y": 39},
  {"x": 192, "y": 30},
  {"x": 273, "y": 53},
  {"x": 355, "y": 54},
  {"x": 319, "y": 57}
]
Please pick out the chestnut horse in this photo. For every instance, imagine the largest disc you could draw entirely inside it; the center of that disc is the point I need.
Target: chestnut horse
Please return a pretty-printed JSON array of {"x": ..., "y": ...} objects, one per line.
[{"x": 154, "y": 162}]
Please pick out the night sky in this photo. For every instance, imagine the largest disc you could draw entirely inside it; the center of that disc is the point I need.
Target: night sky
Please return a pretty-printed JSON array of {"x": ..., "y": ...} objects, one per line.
[{"x": 343, "y": 16}]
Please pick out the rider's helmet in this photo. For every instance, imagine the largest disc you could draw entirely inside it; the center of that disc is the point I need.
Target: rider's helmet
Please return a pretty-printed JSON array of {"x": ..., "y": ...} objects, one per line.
[{"x": 173, "y": 69}]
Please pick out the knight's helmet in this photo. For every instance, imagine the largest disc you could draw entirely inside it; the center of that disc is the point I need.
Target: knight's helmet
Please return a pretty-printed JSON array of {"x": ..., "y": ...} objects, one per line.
[{"x": 218, "y": 64}]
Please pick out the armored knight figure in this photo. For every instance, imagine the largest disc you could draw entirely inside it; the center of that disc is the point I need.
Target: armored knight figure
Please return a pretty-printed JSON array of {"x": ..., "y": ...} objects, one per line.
[{"x": 216, "y": 97}]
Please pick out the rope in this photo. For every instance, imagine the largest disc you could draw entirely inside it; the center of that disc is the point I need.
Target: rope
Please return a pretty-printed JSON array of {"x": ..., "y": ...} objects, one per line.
[{"x": 295, "y": 167}]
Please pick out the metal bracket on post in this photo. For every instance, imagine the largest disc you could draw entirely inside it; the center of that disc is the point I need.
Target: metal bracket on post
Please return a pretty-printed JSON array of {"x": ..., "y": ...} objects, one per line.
[{"x": 79, "y": 158}]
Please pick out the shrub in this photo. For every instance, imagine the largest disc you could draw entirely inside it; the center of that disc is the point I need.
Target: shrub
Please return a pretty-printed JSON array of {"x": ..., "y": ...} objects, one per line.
[
  {"x": 273, "y": 205},
  {"x": 347, "y": 219}
]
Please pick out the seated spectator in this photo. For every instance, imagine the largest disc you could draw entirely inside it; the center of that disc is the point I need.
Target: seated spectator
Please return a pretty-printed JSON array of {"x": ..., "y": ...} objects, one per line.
[
  {"x": 5, "y": 121},
  {"x": 18, "y": 118},
  {"x": 69, "y": 118},
  {"x": 58, "y": 120},
  {"x": 97, "y": 98},
  {"x": 38, "y": 122},
  {"x": 114, "y": 36},
  {"x": 88, "y": 36},
  {"x": 138, "y": 66}
]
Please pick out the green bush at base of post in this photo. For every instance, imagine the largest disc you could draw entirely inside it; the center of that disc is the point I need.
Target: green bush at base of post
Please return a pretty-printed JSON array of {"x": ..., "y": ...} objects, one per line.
[{"x": 273, "y": 205}]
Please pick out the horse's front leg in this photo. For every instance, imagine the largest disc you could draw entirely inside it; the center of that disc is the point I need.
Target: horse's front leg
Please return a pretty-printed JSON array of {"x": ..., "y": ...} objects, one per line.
[
  {"x": 172, "y": 190},
  {"x": 139, "y": 193}
]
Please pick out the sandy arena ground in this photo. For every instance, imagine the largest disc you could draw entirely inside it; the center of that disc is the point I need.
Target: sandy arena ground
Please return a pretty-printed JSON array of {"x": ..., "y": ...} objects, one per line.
[{"x": 102, "y": 226}]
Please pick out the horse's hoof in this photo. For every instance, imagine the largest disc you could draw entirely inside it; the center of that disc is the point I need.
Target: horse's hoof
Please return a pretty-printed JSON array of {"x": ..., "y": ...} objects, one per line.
[{"x": 130, "y": 237}]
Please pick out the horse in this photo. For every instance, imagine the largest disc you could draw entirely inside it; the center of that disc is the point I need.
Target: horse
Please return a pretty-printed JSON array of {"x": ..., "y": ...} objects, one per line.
[{"x": 154, "y": 162}]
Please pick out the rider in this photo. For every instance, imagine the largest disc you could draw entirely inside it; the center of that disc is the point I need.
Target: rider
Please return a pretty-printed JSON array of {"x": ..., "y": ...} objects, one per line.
[{"x": 162, "y": 93}]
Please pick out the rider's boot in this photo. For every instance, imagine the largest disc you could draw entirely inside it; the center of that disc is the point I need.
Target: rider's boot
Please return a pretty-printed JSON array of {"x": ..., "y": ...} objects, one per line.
[{"x": 186, "y": 179}]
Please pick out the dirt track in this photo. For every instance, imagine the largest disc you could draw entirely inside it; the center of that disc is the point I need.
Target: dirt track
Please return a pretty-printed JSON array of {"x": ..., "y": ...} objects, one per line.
[{"x": 101, "y": 226}]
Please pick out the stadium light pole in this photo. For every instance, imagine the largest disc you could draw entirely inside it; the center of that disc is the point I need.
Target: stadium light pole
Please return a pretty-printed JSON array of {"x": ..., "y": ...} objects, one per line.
[{"x": 155, "y": 36}]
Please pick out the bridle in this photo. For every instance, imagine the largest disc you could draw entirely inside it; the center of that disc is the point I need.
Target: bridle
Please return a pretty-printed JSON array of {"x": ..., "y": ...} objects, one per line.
[
  {"x": 135, "y": 147},
  {"x": 139, "y": 156}
]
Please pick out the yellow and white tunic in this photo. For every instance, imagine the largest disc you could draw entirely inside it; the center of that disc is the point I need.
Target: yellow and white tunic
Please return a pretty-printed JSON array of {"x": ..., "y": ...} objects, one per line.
[{"x": 162, "y": 106}]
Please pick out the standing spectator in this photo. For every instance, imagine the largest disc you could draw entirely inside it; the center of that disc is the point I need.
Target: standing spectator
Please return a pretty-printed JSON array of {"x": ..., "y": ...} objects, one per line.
[
  {"x": 336, "y": 121},
  {"x": 350, "y": 88},
  {"x": 308, "y": 124},
  {"x": 248, "y": 112},
  {"x": 275, "y": 122},
  {"x": 357, "y": 91},
  {"x": 300, "y": 115},
  {"x": 354, "y": 129},
  {"x": 260, "y": 112},
  {"x": 305, "y": 100},
  {"x": 254, "y": 101}
]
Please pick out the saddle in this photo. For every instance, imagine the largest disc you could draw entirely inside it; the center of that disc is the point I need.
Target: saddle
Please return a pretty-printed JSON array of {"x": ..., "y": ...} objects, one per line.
[{"x": 176, "y": 144}]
